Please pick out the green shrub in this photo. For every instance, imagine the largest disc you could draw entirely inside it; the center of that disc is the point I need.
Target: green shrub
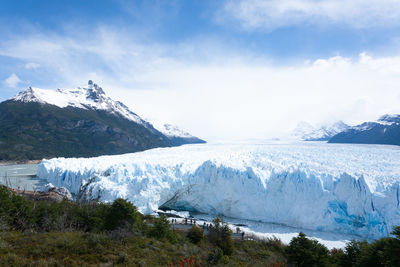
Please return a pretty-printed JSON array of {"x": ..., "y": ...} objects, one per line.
[
  {"x": 162, "y": 229},
  {"x": 306, "y": 252},
  {"x": 220, "y": 235},
  {"x": 337, "y": 256},
  {"x": 215, "y": 256},
  {"x": 15, "y": 211},
  {"x": 121, "y": 213},
  {"x": 381, "y": 252},
  {"x": 352, "y": 253},
  {"x": 195, "y": 234}
]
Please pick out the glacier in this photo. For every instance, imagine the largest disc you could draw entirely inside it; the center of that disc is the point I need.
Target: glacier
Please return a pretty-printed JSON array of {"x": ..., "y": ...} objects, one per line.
[{"x": 341, "y": 188}]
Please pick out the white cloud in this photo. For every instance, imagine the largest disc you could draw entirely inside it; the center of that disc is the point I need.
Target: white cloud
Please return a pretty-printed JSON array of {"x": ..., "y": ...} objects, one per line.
[
  {"x": 12, "y": 81},
  {"x": 272, "y": 14},
  {"x": 249, "y": 100},
  {"x": 31, "y": 66},
  {"x": 216, "y": 94}
]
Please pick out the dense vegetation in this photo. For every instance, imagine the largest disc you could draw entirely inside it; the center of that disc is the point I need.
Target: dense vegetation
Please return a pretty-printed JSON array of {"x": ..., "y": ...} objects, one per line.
[
  {"x": 44, "y": 233},
  {"x": 36, "y": 131}
]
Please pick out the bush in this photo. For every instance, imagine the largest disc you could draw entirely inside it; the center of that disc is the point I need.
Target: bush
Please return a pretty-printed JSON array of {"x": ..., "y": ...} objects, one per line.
[
  {"x": 162, "y": 229},
  {"x": 195, "y": 234},
  {"x": 17, "y": 213},
  {"x": 352, "y": 253},
  {"x": 221, "y": 235},
  {"x": 381, "y": 252},
  {"x": 215, "y": 256},
  {"x": 306, "y": 252},
  {"x": 121, "y": 213}
]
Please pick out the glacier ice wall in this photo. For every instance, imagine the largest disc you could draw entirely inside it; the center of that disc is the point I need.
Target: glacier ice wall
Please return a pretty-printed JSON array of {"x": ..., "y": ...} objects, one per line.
[{"x": 352, "y": 189}]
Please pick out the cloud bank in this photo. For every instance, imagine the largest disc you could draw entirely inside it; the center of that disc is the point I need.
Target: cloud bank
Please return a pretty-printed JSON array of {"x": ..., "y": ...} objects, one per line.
[{"x": 272, "y": 14}]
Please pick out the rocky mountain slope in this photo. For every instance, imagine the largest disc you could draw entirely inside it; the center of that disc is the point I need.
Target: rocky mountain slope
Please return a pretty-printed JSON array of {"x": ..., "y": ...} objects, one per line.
[
  {"x": 79, "y": 122},
  {"x": 386, "y": 130}
]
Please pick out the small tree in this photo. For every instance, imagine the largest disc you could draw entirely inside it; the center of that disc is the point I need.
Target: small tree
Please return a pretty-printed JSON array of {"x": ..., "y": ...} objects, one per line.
[
  {"x": 162, "y": 229},
  {"x": 382, "y": 252},
  {"x": 352, "y": 253},
  {"x": 121, "y": 213},
  {"x": 221, "y": 235},
  {"x": 306, "y": 252},
  {"x": 195, "y": 234}
]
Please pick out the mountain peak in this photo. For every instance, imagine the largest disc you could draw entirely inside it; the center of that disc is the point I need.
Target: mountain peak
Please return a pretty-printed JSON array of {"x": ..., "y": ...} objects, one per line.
[
  {"x": 390, "y": 118},
  {"x": 90, "y": 96},
  {"x": 27, "y": 95},
  {"x": 94, "y": 91}
]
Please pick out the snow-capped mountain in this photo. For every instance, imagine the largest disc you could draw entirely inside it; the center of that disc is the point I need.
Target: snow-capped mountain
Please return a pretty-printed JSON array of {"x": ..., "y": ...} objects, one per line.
[
  {"x": 82, "y": 121},
  {"x": 176, "y": 135},
  {"x": 91, "y": 96},
  {"x": 307, "y": 132},
  {"x": 386, "y": 130}
]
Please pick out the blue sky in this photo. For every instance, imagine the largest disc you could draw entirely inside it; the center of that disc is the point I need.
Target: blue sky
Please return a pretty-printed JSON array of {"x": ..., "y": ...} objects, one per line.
[{"x": 250, "y": 63}]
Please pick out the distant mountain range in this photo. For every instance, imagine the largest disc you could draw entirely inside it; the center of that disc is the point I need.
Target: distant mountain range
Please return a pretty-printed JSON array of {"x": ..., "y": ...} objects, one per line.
[
  {"x": 307, "y": 132},
  {"x": 386, "y": 130},
  {"x": 79, "y": 122}
]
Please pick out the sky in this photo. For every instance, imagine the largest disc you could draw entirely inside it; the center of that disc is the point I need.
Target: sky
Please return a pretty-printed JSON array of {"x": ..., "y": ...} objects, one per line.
[{"x": 237, "y": 69}]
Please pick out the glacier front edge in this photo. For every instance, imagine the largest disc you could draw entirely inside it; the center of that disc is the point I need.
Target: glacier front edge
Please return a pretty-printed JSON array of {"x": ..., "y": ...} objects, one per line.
[{"x": 351, "y": 189}]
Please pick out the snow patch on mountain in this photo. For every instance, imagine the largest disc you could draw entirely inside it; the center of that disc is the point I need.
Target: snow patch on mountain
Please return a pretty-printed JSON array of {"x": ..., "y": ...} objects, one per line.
[
  {"x": 317, "y": 186},
  {"x": 90, "y": 96},
  {"x": 170, "y": 130},
  {"x": 390, "y": 119},
  {"x": 307, "y": 132},
  {"x": 385, "y": 121}
]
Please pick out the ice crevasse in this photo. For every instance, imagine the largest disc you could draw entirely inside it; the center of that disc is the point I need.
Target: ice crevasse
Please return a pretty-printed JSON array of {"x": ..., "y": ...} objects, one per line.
[{"x": 352, "y": 189}]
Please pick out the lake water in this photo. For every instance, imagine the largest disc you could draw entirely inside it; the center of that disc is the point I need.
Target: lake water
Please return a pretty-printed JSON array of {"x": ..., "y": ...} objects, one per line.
[{"x": 21, "y": 176}]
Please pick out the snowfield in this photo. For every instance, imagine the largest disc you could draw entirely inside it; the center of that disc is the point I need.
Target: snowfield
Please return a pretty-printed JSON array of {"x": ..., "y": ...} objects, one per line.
[{"x": 350, "y": 189}]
